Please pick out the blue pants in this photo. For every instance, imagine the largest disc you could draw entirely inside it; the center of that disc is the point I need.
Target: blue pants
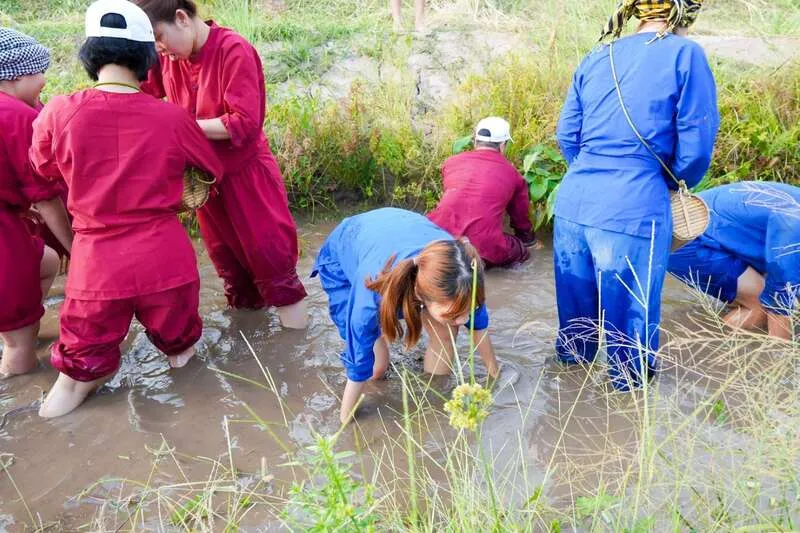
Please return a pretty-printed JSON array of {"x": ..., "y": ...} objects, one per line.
[
  {"x": 704, "y": 266},
  {"x": 601, "y": 273}
]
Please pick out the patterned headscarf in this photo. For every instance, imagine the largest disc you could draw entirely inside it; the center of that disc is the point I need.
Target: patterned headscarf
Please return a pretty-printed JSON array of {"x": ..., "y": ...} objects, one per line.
[
  {"x": 21, "y": 55},
  {"x": 674, "y": 12}
]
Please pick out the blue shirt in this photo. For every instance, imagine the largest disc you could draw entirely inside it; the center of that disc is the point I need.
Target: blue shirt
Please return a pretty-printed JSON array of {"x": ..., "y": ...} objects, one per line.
[
  {"x": 614, "y": 182},
  {"x": 759, "y": 222},
  {"x": 358, "y": 249}
]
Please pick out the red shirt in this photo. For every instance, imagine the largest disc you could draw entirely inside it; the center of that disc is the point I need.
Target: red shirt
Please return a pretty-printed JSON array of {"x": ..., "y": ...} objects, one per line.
[
  {"x": 122, "y": 157},
  {"x": 19, "y": 185},
  {"x": 479, "y": 187},
  {"x": 223, "y": 80}
]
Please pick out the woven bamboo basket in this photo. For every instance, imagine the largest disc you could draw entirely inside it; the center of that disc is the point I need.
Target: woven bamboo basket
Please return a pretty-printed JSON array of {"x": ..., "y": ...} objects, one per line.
[
  {"x": 690, "y": 217},
  {"x": 196, "y": 189}
]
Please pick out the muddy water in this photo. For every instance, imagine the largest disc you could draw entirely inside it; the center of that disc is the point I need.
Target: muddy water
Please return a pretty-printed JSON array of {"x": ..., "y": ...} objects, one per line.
[{"x": 201, "y": 410}]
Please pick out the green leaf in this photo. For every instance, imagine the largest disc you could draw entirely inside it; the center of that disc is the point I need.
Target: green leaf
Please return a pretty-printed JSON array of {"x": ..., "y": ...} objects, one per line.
[
  {"x": 643, "y": 525},
  {"x": 537, "y": 188},
  {"x": 462, "y": 144},
  {"x": 529, "y": 160},
  {"x": 191, "y": 510},
  {"x": 586, "y": 507},
  {"x": 551, "y": 202}
]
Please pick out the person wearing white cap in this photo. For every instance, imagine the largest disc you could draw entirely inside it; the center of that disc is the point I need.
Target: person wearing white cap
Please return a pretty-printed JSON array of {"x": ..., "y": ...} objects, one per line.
[
  {"x": 131, "y": 255},
  {"x": 479, "y": 188},
  {"x": 27, "y": 266}
]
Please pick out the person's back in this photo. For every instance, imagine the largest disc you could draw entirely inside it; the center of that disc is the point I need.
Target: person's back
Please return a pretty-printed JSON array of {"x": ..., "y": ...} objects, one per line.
[
  {"x": 748, "y": 218},
  {"x": 478, "y": 188},
  {"x": 361, "y": 244},
  {"x": 613, "y": 181},
  {"x": 125, "y": 183}
]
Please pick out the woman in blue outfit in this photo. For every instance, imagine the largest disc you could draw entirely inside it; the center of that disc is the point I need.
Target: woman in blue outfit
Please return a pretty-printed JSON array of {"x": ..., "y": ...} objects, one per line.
[
  {"x": 386, "y": 265},
  {"x": 612, "y": 216},
  {"x": 750, "y": 254}
]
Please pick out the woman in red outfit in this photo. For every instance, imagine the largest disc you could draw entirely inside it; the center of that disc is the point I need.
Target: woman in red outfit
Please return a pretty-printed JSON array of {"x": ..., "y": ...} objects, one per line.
[
  {"x": 27, "y": 266},
  {"x": 131, "y": 256},
  {"x": 216, "y": 75}
]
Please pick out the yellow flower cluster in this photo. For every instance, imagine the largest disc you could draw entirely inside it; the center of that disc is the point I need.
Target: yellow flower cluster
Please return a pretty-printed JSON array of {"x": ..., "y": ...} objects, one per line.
[{"x": 468, "y": 406}]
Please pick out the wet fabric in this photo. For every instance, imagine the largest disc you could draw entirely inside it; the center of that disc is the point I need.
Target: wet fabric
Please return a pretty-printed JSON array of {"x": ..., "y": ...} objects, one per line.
[
  {"x": 92, "y": 330},
  {"x": 125, "y": 182},
  {"x": 755, "y": 224},
  {"x": 600, "y": 271},
  {"x": 613, "y": 182},
  {"x": 248, "y": 229},
  {"x": 614, "y": 200},
  {"x": 38, "y": 228},
  {"x": 357, "y": 250},
  {"x": 702, "y": 265},
  {"x": 20, "y": 252},
  {"x": 479, "y": 188},
  {"x": 675, "y": 12},
  {"x": 20, "y": 266}
]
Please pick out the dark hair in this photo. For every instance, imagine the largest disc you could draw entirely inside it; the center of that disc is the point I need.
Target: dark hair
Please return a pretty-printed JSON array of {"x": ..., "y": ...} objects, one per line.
[
  {"x": 487, "y": 144},
  {"x": 98, "y": 52},
  {"x": 164, "y": 10},
  {"x": 442, "y": 272}
]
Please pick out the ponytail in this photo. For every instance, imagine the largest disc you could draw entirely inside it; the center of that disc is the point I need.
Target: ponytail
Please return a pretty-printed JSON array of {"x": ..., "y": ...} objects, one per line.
[
  {"x": 396, "y": 285},
  {"x": 442, "y": 272}
]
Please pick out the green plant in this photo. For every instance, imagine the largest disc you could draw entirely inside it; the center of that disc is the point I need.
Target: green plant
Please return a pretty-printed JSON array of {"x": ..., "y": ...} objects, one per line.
[
  {"x": 543, "y": 168},
  {"x": 331, "y": 500}
]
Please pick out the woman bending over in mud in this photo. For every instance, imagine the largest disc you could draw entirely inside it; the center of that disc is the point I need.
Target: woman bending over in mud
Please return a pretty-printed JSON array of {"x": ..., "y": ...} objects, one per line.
[{"x": 389, "y": 264}]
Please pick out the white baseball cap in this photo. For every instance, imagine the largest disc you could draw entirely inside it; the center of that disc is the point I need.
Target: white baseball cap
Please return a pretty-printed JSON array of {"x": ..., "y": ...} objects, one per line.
[
  {"x": 138, "y": 26},
  {"x": 493, "y": 130}
]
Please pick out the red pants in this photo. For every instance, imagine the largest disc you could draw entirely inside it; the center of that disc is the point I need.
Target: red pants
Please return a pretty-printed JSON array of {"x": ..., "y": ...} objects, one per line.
[
  {"x": 92, "y": 330},
  {"x": 251, "y": 237},
  {"x": 20, "y": 267}
]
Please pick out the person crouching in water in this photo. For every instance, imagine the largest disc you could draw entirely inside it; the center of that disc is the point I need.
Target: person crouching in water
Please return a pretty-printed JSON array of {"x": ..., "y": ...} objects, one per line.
[
  {"x": 748, "y": 256},
  {"x": 479, "y": 187},
  {"x": 27, "y": 266},
  {"x": 390, "y": 264},
  {"x": 122, "y": 154},
  {"x": 251, "y": 237}
]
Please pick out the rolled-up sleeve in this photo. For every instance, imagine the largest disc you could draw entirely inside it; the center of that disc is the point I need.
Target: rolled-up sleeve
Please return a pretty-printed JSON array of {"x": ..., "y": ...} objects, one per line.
[
  {"x": 481, "y": 321},
  {"x": 244, "y": 78}
]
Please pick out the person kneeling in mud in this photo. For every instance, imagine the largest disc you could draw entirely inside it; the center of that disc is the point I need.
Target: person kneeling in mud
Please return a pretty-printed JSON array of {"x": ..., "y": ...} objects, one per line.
[
  {"x": 389, "y": 264},
  {"x": 122, "y": 154},
  {"x": 748, "y": 257},
  {"x": 480, "y": 186}
]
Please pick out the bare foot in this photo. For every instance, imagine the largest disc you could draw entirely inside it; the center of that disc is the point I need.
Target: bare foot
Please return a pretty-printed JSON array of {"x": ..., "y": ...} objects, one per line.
[
  {"x": 18, "y": 368},
  {"x": 67, "y": 394},
  {"x": 294, "y": 316},
  {"x": 180, "y": 360}
]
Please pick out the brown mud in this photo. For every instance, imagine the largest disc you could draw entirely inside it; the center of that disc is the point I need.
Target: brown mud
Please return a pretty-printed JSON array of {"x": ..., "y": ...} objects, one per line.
[{"x": 198, "y": 409}]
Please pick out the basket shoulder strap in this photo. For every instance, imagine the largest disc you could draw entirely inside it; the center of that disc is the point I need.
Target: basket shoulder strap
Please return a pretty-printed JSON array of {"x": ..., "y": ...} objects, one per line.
[{"x": 666, "y": 168}]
